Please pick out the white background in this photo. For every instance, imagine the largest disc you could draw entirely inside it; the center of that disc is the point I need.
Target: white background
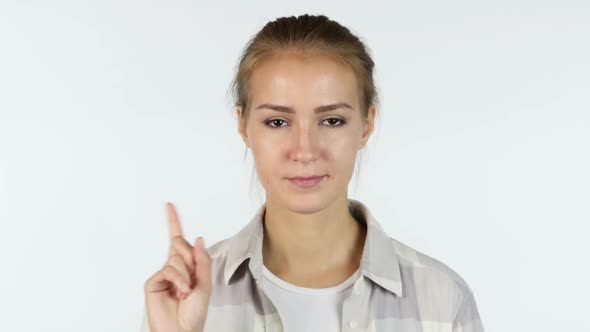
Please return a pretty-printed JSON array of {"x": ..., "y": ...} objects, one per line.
[{"x": 108, "y": 109}]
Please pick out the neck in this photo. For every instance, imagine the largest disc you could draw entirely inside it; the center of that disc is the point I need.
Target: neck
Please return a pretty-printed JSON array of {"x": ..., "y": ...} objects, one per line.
[{"x": 306, "y": 246}]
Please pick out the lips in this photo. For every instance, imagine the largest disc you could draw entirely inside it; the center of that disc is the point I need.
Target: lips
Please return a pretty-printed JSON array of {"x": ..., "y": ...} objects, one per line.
[
  {"x": 305, "y": 177},
  {"x": 307, "y": 182}
]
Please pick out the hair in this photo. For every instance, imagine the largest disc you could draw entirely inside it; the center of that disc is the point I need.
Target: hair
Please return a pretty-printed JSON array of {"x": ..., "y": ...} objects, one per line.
[{"x": 307, "y": 34}]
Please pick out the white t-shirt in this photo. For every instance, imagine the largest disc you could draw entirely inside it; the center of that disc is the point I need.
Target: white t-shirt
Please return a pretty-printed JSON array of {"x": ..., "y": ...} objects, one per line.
[{"x": 308, "y": 309}]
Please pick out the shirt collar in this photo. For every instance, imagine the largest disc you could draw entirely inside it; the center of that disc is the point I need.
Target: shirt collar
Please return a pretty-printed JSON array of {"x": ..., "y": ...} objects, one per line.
[{"x": 379, "y": 261}]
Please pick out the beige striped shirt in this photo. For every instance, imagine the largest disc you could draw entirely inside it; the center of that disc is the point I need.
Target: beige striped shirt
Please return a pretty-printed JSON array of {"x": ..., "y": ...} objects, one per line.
[{"x": 399, "y": 288}]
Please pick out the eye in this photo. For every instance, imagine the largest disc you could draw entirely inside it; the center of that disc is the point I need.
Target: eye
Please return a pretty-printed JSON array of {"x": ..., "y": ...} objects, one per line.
[
  {"x": 342, "y": 122},
  {"x": 275, "y": 121}
]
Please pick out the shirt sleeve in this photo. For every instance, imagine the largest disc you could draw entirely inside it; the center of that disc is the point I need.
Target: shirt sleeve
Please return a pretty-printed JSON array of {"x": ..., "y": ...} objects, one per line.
[{"x": 468, "y": 319}]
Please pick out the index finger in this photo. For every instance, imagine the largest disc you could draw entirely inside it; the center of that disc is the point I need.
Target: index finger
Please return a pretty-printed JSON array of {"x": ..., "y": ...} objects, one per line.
[{"x": 174, "y": 227}]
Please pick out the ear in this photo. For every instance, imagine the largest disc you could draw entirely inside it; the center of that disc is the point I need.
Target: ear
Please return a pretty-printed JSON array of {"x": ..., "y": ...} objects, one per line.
[
  {"x": 241, "y": 127},
  {"x": 369, "y": 126}
]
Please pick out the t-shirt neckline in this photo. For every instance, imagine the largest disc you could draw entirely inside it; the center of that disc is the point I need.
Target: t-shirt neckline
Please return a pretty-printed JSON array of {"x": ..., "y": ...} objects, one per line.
[{"x": 309, "y": 291}]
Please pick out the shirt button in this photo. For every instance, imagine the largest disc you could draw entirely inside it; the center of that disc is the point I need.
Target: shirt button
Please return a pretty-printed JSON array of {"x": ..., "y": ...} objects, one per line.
[{"x": 352, "y": 324}]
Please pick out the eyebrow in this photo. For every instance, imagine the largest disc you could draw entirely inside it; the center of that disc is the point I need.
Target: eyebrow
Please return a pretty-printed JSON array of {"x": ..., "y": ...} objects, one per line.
[{"x": 319, "y": 109}]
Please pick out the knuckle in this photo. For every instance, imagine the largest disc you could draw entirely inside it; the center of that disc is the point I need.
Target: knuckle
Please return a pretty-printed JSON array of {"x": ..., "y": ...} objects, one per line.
[
  {"x": 178, "y": 263},
  {"x": 176, "y": 257},
  {"x": 184, "y": 254},
  {"x": 169, "y": 271},
  {"x": 178, "y": 240},
  {"x": 179, "y": 245}
]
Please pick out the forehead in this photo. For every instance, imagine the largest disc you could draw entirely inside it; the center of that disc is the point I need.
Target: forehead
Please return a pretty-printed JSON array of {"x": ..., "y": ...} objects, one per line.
[{"x": 303, "y": 79}]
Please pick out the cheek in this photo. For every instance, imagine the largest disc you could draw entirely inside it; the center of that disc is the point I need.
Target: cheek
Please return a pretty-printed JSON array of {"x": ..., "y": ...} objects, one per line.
[
  {"x": 267, "y": 159},
  {"x": 342, "y": 150},
  {"x": 265, "y": 150},
  {"x": 342, "y": 158}
]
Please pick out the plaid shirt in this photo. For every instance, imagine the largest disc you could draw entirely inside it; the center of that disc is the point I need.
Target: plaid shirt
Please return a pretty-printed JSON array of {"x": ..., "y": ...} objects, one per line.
[{"x": 399, "y": 288}]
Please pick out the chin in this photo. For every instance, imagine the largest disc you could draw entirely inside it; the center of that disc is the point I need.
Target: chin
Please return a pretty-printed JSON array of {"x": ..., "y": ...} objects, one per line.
[
  {"x": 307, "y": 204},
  {"x": 307, "y": 209}
]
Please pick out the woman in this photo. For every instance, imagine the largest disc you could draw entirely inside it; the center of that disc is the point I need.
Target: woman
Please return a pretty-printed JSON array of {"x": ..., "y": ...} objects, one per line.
[{"x": 310, "y": 259}]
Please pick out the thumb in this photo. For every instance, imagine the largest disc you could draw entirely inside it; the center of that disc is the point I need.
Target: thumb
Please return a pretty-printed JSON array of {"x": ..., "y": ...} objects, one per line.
[{"x": 202, "y": 266}]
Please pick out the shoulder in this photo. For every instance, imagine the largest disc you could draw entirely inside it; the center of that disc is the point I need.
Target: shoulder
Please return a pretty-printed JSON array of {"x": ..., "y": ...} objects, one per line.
[
  {"x": 437, "y": 289},
  {"x": 430, "y": 268}
]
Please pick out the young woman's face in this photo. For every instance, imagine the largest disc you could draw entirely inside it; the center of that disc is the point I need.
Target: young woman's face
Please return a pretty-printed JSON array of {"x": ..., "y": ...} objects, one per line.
[{"x": 300, "y": 141}]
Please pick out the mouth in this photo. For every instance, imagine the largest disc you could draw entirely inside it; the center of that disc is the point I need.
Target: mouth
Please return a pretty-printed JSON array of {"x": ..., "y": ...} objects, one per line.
[{"x": 306, "y": 182}]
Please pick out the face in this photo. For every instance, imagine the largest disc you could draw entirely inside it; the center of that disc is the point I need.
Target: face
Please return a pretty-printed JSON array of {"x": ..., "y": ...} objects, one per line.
[{"x": 294, "y": 132}]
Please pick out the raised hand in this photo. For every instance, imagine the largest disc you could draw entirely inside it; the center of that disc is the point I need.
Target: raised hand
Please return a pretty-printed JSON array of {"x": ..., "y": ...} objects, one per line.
[{"x": 177, "y": 296}]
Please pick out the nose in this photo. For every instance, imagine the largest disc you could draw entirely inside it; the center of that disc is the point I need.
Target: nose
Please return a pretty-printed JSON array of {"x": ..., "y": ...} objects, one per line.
[{"x": 305, "y": 143}]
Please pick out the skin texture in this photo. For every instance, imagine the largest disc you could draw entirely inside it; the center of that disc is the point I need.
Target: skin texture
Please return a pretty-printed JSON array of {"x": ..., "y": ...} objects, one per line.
[{"x": 311, "y": 240}]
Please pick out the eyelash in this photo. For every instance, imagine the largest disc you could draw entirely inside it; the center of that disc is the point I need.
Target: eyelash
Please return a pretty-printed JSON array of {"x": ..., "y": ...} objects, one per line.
[{"x": 266, "y": 123}]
